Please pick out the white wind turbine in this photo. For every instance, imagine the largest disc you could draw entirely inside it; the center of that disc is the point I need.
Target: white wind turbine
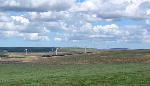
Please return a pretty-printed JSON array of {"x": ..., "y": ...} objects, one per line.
[
  {"x": 56, "y": 51},
  {"x": 26, "y": 50},
  {"x": 85, "y": 50}
]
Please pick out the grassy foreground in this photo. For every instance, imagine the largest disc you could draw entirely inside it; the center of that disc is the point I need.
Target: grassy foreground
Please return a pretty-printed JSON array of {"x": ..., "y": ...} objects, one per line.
[
  {"x": 131, "y": 74},
  {"x": 109, "y": 68}
]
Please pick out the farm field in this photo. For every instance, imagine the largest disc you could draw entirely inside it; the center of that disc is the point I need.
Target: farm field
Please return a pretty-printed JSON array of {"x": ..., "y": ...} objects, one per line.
[
  {"x": 75, "y": 75},
  {"x": 109, "y": 68}
]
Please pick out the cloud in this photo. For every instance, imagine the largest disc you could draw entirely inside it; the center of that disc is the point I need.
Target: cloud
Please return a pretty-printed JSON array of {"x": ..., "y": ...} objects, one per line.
[
  {"x": 74, "y": 21},
  {"x": 25, "y": 36},
  {"x": 20, "y": 19},
  {"x": 148, "y": 22},
  {"x": 110, "y": 9},
  {"x": 75, "y": 41},
  {"x": 58, "y": 39},
  {"x": 110, "y": 33},
  {"x": 7, "y": 34},
  {"x": 19, "y": 26},
  {"x": 45, "y": 16},
  {"x": 34, "y": 37},
  {"x": 35, "y": 5}
]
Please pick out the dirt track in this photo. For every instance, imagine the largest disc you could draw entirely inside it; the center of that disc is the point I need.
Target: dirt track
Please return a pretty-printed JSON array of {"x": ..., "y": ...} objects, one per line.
[{"x": 13, "y": 62}]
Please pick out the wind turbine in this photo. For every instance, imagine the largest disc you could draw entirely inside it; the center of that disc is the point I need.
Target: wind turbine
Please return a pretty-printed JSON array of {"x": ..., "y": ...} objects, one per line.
[
  {"x": 26, "y": 50},
  {"x": 56, "y": 51},
  {"x": 85, "y": 50}
]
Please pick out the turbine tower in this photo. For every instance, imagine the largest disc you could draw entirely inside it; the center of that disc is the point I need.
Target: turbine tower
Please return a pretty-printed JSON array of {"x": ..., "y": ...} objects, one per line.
[
  {"x": 85, "y": 50},
  {"x": 52, "y": 50},
  {"x": 26, "y": 50},
  {"x": 56, "y": 51}
]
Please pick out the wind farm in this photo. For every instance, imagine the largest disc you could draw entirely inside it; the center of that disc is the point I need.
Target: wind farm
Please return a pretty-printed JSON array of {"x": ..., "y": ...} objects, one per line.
[
  {"x": 74, "y": 66},
  {"x": 75, "y": 43}
]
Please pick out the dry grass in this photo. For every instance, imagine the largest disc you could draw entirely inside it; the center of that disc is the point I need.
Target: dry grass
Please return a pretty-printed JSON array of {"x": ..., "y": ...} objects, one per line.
[{"x": 119, "y": 57}]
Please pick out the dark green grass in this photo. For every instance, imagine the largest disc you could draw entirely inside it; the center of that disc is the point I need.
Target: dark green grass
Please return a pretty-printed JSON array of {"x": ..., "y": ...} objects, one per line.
[{"x": 75, "y": 75}]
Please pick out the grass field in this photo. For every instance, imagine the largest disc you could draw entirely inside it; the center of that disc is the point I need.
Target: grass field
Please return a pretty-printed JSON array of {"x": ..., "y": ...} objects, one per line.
[
  {"x": 113, "y": 68},
  {"x": 75, "y": 75}
]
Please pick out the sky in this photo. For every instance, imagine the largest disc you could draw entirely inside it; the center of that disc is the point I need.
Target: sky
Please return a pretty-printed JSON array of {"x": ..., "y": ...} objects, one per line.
[{"x": 99, "y": 24}]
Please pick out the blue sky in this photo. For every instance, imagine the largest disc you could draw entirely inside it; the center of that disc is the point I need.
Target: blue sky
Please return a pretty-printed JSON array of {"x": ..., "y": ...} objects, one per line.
[{"x": 88, "y": 23}]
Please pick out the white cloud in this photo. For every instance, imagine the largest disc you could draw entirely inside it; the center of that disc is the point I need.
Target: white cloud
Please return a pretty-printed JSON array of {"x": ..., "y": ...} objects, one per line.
[
  {"x": 35, "y": 5},
  {"x": 20, "y": 19},
  {"x": 58, "y": 39},
  {"x": 74, "y": 21},
  {"x": 112, "y": 33},
  {"x": 34, "y": 37},
  {"x": 148, "y": 22},
  {"x": 19, "y": 26},
  {"x": 8, "y": 34},
  {"x": 148, "y": 12},
  {"x": 75, "y": 41},
  {"x": 111, "y": 29},
  {"x": 109, "y": 9}
]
